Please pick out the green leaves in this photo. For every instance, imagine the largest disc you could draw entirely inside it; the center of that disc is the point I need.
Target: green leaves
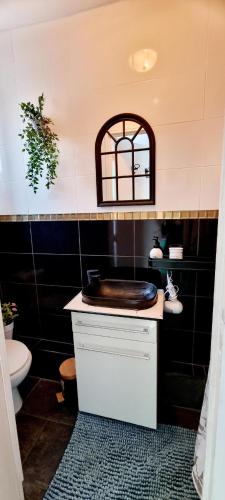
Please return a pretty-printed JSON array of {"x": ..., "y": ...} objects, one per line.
[{"x": 40, "y": 144}]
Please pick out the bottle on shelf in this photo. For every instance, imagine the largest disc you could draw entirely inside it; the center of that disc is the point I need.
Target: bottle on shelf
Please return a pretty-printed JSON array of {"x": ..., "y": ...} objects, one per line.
[{"x": 156, "y": 252}]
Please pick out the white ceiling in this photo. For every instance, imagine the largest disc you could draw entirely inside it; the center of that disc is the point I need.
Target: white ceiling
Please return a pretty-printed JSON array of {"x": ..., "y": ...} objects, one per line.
[{"x": 18, "y": 13}]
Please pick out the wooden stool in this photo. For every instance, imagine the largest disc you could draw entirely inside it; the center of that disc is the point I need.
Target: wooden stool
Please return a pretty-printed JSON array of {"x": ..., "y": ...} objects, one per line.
[{"x": 67, "y": 372}]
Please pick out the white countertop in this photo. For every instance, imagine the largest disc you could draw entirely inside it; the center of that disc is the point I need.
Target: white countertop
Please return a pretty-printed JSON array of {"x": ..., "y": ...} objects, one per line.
[{"x": 154, "y": 312}]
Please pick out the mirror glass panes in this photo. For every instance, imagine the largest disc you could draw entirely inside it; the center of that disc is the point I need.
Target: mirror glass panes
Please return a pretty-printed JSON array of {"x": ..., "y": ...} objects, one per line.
[
  {"x": 109, "y": 189},
  {"x": 116, "y": 130},
  {"x": 131, "y": 128},
  {"x": 108, "y": 166},
  {"x": 141, "y": 163},
  {"x": 142, "y": 190},
  {"x": 108, "y": 144},
  {"x": 124, "y": 145},
  {"x": 141, "y": 141},
  {"x": 125, "y": 166},
  {"x": 125, "y": 189}
]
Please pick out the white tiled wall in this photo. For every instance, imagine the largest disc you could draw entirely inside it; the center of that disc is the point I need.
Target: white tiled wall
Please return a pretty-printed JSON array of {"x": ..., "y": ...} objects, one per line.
[{"x": 81, "y": 65}]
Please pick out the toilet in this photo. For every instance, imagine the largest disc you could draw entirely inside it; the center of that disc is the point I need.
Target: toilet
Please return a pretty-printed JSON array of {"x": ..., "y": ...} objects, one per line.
[{"x": 19, "y": 361}]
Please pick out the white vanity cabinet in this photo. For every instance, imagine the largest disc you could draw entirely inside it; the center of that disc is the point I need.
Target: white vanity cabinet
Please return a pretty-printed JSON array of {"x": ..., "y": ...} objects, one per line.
[{"x": 116, "y": 362}]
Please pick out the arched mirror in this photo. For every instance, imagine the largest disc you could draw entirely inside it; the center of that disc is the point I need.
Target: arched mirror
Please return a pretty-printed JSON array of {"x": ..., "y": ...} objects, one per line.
[{"x": 125, "y": 162}]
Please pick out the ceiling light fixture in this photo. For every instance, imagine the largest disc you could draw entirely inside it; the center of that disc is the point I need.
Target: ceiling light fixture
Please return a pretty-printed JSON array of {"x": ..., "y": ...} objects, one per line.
[{"x": 143, "y": 60}]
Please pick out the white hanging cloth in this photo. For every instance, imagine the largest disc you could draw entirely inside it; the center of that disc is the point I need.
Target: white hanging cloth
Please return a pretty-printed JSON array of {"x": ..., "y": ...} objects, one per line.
[{"x": 200, "y": 446}]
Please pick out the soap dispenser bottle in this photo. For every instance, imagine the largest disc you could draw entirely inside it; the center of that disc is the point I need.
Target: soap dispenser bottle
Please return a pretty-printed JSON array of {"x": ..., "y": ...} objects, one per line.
[{"x": 156, "y": 251}]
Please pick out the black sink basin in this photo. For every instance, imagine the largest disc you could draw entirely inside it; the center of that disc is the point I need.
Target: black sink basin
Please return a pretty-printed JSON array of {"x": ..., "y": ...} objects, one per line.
[{"x": 125, "y": 294}]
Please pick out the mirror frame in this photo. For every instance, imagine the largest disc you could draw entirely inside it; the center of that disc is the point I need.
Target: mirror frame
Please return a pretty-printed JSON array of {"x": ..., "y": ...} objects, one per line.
[{"x": 122, "y": 117}]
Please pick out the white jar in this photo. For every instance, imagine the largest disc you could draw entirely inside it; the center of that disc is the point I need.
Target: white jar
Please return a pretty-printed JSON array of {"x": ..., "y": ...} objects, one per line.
[
  {"x": 156, "y": 253},
  {"x": 176, "y": 252}
]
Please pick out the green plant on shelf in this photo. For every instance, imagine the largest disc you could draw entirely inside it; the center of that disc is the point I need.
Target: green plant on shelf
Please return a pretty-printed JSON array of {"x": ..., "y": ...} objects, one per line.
[{"x": 40, "y": 144}]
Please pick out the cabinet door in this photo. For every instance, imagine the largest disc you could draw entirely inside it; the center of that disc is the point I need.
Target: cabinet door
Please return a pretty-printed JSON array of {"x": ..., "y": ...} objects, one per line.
[{"x": 118, "y": 379}]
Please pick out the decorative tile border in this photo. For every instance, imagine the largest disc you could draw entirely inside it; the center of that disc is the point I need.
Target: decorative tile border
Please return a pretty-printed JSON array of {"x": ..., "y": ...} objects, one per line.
[{"x": 186, "y": 214}]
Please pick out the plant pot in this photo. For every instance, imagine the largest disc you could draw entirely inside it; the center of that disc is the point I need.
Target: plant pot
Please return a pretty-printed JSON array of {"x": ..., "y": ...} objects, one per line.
[{"x": 8, "y": 330}]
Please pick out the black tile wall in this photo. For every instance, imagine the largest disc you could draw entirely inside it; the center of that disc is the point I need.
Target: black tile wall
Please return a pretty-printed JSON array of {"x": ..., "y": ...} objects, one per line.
[
  {"x": 52, "y": 299},
  {"x": 207, "y": 238},
  {"x": 183, "y": 390},
  {"x": 203, "y": 316},
  {"x": 55, "y": 237},
  {"x": 205, "y": 283},
  {"x": 15, "y": 237},
  {"x": 17, "y": 268},
  {"x": 54, "y": 324},
  {"x": 202, "y": 343},
  {"x": 58, "y": 269},
  {"x": 107, "y": 238},
  {"x": 43, "y": 265},
  {"x": 182, "y": 368},
  {"x": 177, "y": 344},
  {"x": 143, "y": 272},
  {"x": 185, "y": 320}
]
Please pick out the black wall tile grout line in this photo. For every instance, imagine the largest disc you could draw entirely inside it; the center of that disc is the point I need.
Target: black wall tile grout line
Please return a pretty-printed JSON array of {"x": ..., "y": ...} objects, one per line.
[
  {"x": 198, "y": 237},
  {"x": 23, "y": 283},
  {"x": 70, "y": 347},
  {"x": 57, "y": 254},
  {"x": 53, "y": 285},
  {"x": 42, "y": 349},
  {"x": 79, "y": 242},
  {"x": 107, "y": 255},
  {"x": 41, "y": 379},
  {"x": 15, "y": 253},
  {"x": 18, "y": 336},
  {"x": 55, "y": 314},
  {"x": 168, "y": 329},
  {"x": 197, "y": 410},
  {"x": 35, "y": 385},
  {"x": 186, "y": 363},
  {"x": 195, "y": 309},
  {"x": 67, "y": 254},
  {"x": 58, "y": 285},
  {"x": 203, "y": 332},
  {"x": 203, "y": 260},
  {"x": 43, "y": 339},
  {"x": 35, "y": 279}
]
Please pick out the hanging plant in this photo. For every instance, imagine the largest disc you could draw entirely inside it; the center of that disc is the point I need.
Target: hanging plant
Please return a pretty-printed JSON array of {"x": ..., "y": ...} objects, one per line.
[{"x": 40, "y": 143}]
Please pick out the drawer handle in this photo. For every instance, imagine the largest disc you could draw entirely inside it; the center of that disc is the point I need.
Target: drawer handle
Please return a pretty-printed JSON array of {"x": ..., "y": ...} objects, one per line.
[
  {"x": 114, "y": 352},
  {"x": 115, "y": 329}
]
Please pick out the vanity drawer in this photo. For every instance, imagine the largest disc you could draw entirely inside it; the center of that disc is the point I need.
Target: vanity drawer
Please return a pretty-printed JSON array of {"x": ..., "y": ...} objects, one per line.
[{"x": 115, "y": 327}]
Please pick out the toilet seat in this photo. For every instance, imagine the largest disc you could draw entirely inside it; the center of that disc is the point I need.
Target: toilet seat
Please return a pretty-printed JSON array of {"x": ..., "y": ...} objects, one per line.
[{"x": 17, "y": 354}]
